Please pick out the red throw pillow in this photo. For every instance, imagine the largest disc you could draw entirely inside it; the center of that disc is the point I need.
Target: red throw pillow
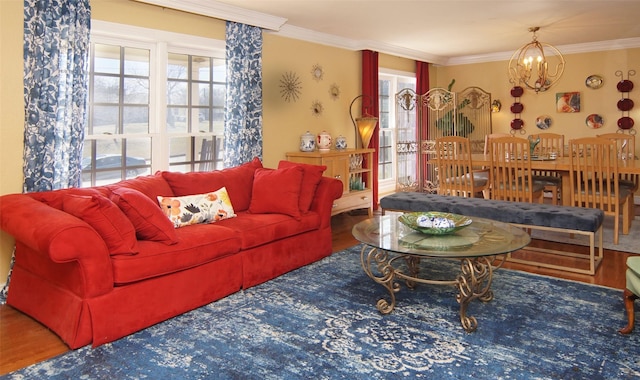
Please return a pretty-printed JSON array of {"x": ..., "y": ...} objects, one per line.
[
  {"x": 149, "y": 185},
  {"x": 310, "y": 180},
  {"x": 277, "y": 191},
  {"x": 238, "y": 180},
  {"x": 147, "y": 217},
  {"x": 106, "y": 218}
]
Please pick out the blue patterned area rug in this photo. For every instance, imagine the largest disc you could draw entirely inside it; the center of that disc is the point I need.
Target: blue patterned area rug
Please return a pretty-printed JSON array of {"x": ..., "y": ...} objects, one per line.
[{"x": 321, "y": 322}]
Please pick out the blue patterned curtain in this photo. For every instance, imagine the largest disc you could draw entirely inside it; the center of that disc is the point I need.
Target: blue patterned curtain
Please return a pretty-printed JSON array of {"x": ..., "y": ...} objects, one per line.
[
  {"x": 56, "y": 48},
  {"x": 243, "y": 108}
]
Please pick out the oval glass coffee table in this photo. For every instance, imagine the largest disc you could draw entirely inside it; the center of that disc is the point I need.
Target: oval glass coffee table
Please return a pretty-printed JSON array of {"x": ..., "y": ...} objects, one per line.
[{"x": 393, "y": 251}]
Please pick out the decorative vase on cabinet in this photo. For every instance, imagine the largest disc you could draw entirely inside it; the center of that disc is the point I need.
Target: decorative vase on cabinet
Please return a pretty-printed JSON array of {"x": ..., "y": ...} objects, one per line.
[
  {"x": 324, "y": 141},
  {"x": 357, "y": 192}
]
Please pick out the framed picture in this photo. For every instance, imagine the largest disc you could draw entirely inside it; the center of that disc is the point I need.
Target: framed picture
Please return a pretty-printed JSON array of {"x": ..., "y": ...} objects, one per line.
[{"x": 568, "y": 102}]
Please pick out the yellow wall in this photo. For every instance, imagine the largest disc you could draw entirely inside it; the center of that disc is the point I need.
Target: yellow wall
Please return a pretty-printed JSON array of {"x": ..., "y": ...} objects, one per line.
[
  {"x": 11, "y": 112},
  {"x": 492, "y": 77},
  {"x": 284, "y": 122}
]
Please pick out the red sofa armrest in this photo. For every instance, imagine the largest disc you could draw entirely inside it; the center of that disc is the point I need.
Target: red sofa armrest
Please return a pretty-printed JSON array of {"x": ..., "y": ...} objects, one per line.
[
  {"x": 57, "y": 239},
  {"x": 328, "y": 190}
]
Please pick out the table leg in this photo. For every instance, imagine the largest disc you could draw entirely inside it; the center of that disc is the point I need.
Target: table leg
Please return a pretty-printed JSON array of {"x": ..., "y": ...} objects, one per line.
[
  {"x": 473, "y": 282},
  {"x": 565, "y": 189},
  {"x": 385, "y": 275}
]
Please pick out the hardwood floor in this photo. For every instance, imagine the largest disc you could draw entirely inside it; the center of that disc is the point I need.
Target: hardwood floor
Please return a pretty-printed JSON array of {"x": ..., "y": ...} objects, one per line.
[{"x": 24, "y": 341}]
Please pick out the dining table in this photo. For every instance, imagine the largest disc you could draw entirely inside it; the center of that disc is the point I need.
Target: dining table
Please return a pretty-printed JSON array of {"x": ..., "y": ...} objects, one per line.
[{"x": 560, "y": 165}]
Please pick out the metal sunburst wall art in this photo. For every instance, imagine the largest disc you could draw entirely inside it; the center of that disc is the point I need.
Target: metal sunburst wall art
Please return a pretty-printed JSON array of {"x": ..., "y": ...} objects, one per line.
[
  {"x": 317, "y": 108},
  {"x": 317, "y": 73},
  {"x": 334, "y": 91},
  {"x": 290, "y": 86}
]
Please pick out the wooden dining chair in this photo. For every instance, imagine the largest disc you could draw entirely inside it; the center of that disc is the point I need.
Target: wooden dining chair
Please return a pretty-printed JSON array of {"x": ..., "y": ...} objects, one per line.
[
  {"x": 626, "y": 146},
  {"x": 594, "y": 173},
  {"x": 455, "y": 174},
  {"x": 488, "y": 138},
  {"x": 550, "y": 143},
  {"x": 510, "y": 172}
]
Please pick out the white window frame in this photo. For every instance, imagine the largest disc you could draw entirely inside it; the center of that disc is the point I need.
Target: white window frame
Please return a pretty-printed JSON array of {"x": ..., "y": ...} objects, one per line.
[
  {"x": 159, "y": 43},
  {"x": 388, "y": 186}
]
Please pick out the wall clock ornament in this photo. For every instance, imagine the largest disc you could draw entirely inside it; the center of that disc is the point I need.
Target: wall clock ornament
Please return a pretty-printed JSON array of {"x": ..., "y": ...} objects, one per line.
[{"x": 290, "y": 86}]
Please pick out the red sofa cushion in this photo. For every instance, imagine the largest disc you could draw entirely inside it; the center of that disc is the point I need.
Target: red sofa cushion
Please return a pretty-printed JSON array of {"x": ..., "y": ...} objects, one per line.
[
  {"x": 238, "y": 181},
  {"x": 277, "y": 191},
  {"x": 54, "y": 198},
  {"x": 107, "y": 219},
  {"x": 259, "y": 229},
  {"x": 149, "y": 185},
  {"x": 196, "y": 245},
  {"x": 147, "y": 217},
  {"x": 310, "y": 181}
]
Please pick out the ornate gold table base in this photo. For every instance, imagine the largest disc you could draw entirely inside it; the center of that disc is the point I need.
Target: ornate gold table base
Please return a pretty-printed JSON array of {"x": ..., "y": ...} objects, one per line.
[{"x": 474, "y": 280}]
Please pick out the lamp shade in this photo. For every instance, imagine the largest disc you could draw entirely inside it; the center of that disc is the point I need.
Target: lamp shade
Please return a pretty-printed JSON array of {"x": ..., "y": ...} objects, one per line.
[{"x": 366, "y": 126}]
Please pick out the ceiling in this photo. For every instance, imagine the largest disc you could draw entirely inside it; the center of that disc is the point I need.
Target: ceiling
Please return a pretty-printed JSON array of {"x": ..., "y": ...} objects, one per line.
[{"x": 437, "y": 31}]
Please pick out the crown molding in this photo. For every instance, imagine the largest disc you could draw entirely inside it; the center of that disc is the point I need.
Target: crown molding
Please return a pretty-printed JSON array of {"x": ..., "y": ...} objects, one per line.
[
  {"x": 222, "y": 11},
  {"x": 308, "y": 35},
  {"x": 589, "y": 47},
  {"x": 277, "y": 25}
]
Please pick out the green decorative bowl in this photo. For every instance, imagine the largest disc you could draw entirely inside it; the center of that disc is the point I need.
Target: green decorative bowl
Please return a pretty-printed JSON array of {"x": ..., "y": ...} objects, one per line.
[{"x": 434, "y": 223}]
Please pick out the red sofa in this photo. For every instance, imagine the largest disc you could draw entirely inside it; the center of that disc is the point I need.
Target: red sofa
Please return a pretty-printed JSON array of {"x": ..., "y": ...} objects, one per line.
[{"x": 96, "y": 264}]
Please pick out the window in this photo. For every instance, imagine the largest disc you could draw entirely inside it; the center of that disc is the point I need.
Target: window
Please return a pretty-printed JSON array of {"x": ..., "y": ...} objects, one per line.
[
  {"x": 195, "y": 112},
  {"x": 156, "y": 102},
  {"x": 390, "y": 83}
]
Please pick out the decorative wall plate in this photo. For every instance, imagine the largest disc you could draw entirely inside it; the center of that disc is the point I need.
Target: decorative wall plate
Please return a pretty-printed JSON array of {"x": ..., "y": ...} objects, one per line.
[
  {"x": 594, "y": 121},
  {"x": 543, "y": 121},
  {"x": 517, "y": 124},
  {"x": 594, "y": 81},
  {"x": 517, "y": 91},
  {"x": 625, "y": 104},
  {"x": 625, "y": 85},
  {"x": 625, "y": 122},
  {"x": 517, "y": 107}
]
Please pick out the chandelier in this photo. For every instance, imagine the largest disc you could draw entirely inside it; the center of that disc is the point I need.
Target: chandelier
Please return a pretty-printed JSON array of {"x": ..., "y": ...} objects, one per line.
[{"x": 539, "y": 73}]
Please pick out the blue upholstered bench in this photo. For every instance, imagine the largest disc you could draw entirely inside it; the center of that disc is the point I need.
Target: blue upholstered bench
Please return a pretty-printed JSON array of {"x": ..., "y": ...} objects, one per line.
[{"x": 572, "y": 220}]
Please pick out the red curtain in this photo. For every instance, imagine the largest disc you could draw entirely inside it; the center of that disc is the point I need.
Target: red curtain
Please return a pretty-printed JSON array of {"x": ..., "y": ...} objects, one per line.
[
  {"x": 422, "y": 86},
  {"x": 370, "y": 89}
]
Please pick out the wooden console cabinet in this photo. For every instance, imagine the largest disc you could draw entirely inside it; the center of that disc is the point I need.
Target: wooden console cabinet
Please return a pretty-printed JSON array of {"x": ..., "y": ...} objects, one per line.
[{"x": 352, "y": 167}]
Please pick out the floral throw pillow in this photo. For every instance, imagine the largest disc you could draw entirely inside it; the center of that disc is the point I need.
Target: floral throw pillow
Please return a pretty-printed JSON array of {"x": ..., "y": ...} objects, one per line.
[{"x": 199, "y": 208}]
